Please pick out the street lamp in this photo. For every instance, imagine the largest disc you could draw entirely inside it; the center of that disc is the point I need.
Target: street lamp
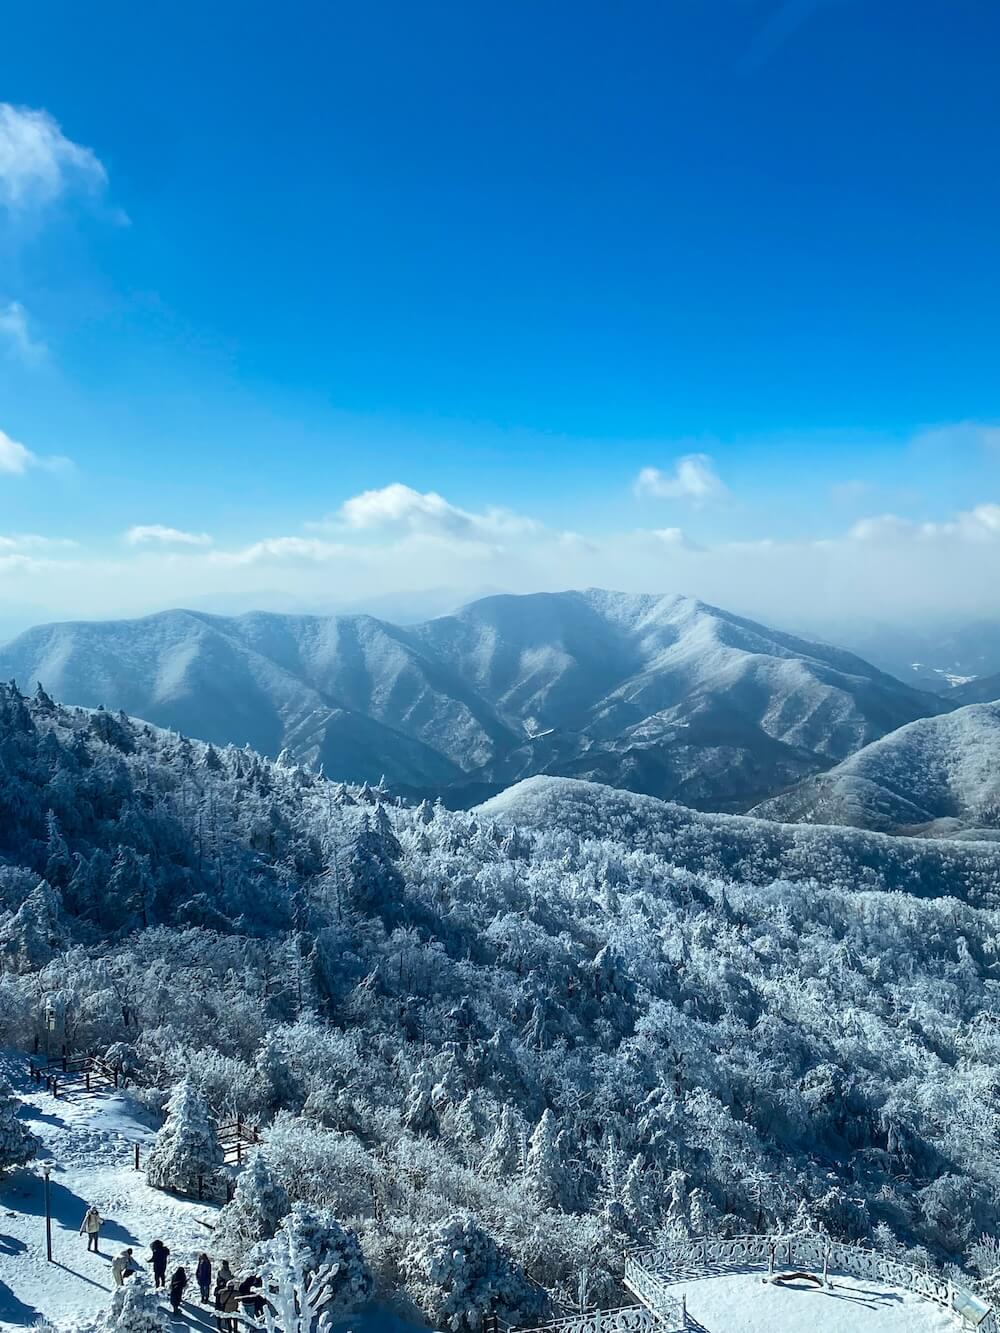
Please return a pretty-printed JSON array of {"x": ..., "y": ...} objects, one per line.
[{"x": 48, "y": 1216}]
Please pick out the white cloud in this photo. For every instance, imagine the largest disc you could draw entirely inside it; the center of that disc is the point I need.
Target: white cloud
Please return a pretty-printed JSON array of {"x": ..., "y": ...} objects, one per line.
[
  {"x": 694, "y": 478},
  {"x": 14, "y": 330},
  {"x": 311, "y": 550},
  {"x": 979, "y": 524},
  {"x": 401, "y": 508},
  {"x": 38, "y": 163},
  {"x": 144, "y": 534},
  {"x": 16, "y": 458}
]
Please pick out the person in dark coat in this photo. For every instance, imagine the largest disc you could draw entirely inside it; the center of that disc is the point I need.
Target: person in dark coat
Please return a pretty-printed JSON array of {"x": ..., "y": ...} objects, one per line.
[
  {"x": 249, "y": 1298},
  {"x": 221, "y": 1293},
  {"x": 204, "y": 1275},
  {"x": 178, "y": 1282},
  {"x": 158, "y": 1255}
]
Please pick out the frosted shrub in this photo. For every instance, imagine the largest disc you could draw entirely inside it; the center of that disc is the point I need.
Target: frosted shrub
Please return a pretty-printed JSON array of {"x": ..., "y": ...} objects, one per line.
[{"x": 456, "y": 1274}]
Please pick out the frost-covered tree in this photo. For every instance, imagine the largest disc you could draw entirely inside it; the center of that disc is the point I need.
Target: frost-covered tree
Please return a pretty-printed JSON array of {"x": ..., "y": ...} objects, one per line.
[
  {"x": 419, "y": 1114},
  {"x": 17, "y": 1144},
  {"x": 456, "y": 1274},
  {"x": 186, "y": 1154},
  {"x": 135, "y": 1308},
  {"x": 547, "y": 1177},
  {"x": 504, "y": 1156},
  {"x": 313, "y": 1271},
  {"x": 255, "y": 1212}
]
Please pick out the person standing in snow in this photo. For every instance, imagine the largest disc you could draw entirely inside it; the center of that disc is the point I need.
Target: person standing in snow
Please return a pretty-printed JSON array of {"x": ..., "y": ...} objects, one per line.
[
  {"x": 204, "y": 1275},
  {"x": 91, "y": 1224},
  {"x": 158, "y": 1254},
  {"x": 177, "y": 1284},
  {"x": 221, "y": 1292},
  {"x": 121, "y": 1266}
]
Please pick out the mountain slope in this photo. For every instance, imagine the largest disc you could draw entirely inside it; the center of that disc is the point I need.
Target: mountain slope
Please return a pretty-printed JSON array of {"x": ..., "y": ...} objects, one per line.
[
  {"x": 985, "y": 690},
  {"x": 661, "y": 694},
  {"x": 709, "y": 1022},
  {"x": 938, "y": 774}
]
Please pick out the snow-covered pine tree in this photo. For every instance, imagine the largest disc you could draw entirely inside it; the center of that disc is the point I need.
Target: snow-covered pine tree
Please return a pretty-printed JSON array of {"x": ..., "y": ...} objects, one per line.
[
  {"x": 419, "y": 1115},
  {"x": 17, "y": 1144},
  {"x": 186, "y": 1155},
  {"x": 546, "y": 1170},
  {"x": 376, "y": 884},
  {"x": 503, "y": 1156},
  {"x": 255, "y": 1211},
  {"x": 456, "y": 1274},
  {"x": 314, "y": 1272},
  {"x": 135, "y": 1308}
]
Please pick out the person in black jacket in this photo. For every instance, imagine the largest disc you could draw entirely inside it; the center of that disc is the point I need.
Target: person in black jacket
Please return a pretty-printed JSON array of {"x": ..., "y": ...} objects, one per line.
[
  {"x": 158, "y": 1255},
  {"x": 204, "y": 1275},
  {"x": 177, "y": 1284}
]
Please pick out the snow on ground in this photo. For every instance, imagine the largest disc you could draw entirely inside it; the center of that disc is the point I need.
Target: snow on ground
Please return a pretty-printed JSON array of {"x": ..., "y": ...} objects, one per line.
[
  {"x": 745, "y": 1303},
  {"x": 88, "y": 1141}
]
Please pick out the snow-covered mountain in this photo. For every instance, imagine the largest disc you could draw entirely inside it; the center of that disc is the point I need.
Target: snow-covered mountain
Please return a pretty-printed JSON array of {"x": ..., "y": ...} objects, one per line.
[
  {"x": 697, "y": 1023},
  {"x": 660, "y": 694},
  {"x": 937, "y": 775}
]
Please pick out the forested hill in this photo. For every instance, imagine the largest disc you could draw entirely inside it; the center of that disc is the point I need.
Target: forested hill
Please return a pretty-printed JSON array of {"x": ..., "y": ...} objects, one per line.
[{"x": 570, "y": 1020}]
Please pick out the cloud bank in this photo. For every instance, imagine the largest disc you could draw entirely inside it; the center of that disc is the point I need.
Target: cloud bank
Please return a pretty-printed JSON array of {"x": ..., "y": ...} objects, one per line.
[{"x": 397, "y": 538}]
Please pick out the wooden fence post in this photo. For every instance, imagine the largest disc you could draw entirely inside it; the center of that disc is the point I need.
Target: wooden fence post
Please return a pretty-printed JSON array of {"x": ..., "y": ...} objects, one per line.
[{"x": 137, "y": 1157}]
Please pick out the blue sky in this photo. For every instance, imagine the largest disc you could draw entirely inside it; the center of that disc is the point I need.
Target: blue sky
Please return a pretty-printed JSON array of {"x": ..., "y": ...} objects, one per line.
[{"x": 312, "y": 303}]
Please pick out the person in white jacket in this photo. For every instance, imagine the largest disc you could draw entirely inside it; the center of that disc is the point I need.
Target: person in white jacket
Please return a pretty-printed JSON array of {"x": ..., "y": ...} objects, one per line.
[
  {"x": 91, "y": 1224},
  {"x": 121, "y": 1266}
]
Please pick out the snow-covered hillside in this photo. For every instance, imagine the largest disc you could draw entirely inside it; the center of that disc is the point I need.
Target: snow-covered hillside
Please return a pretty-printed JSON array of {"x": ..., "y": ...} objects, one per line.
[
  {"x": 87, "y": 1141},
  {"x": 573, "y": 1020},
  {"x": 657, "y": 694},
  {"x": 939, "y": 775}
]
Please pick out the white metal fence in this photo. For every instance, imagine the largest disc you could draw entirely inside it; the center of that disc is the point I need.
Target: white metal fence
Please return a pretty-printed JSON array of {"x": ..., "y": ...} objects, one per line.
[
  {"x": 624, "y": 1319},
  {"x": 681, "y": 1260}
]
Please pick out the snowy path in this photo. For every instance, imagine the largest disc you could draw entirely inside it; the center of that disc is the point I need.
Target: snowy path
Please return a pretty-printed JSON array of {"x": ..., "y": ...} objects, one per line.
[{"x": 88, "y": 1142}]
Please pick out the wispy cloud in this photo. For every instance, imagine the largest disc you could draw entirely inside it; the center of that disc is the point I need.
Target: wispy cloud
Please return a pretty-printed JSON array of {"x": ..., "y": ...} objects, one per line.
[
  {"x": 38, "y": 163},
  {"x": 16, "y": 335},
  {"x": 694, "y": 479},
  {"x": 33, "y": 541},
  {"x": 155, "y": 534},
  {"x": 16, "y": 458}
]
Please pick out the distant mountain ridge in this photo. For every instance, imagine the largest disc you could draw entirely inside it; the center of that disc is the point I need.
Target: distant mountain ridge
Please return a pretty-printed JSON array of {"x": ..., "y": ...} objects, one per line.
[
  {"x": 659, "y": 694},
  {"x": 938, "y": 775}
]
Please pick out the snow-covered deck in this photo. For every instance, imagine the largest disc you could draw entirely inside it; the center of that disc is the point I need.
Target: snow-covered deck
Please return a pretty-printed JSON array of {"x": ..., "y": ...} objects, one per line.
[{"x": 746, "y": 1303}]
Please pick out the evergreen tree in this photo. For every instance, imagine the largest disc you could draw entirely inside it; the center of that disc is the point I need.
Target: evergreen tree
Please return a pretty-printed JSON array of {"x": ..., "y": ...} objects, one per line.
[
  {"x": 503, "y": 1156},
  {"x": 419, "y": 1115},
  {"x": 17, "y": 1144},
  {"x": 546, "y": 1169},
  {"x": 187, "y": 1151},
  {"x": 255, "y": 1212}
]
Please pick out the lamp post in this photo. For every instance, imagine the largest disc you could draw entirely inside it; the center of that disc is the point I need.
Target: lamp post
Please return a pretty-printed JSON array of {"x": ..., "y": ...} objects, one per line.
[{"x": 48, "y": 1216}]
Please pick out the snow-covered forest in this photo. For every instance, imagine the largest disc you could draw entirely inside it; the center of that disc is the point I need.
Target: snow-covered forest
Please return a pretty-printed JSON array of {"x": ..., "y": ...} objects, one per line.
[{"x": 528, "y": 1035}]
